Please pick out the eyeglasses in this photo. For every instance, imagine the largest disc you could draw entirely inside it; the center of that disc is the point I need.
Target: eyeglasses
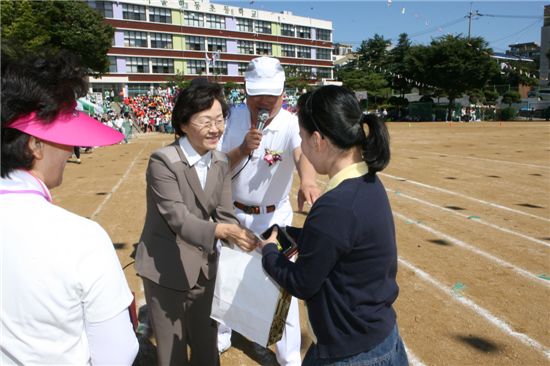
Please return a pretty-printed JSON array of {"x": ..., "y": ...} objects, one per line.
[{"x": 219, "y": 124}]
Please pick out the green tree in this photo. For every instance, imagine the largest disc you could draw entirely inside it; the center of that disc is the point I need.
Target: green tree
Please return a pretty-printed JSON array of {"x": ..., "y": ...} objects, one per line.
[
  {"x": 297, "y": 79},
  {"x": 374, "y": 51},
  {"x": 454, "y": 64},
  {"x": 398, "y": 65},
  {"x": 356, "y": 79},
  {"x": 37, "y": 26},
  {"x": 510, "y": 97}
]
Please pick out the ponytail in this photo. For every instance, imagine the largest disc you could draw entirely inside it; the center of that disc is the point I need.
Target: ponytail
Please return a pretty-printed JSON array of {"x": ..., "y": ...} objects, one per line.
[{"x": 376, "y": 145}]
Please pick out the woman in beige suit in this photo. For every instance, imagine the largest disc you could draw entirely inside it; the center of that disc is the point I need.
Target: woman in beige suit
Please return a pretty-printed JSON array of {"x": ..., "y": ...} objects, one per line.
[{"x": 189, "y": 206}]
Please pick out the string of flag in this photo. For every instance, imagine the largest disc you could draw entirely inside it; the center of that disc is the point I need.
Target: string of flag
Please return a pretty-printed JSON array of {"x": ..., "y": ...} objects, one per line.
[{"x": 399, "y": 76}]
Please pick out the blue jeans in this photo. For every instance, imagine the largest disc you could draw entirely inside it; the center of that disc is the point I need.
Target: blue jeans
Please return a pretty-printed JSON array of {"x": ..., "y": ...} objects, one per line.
[{"x": 390, "y": 352}]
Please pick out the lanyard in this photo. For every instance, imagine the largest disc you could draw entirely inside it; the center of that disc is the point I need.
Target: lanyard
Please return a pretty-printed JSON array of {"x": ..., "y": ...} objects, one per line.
[{"x": 43, "y": 190}]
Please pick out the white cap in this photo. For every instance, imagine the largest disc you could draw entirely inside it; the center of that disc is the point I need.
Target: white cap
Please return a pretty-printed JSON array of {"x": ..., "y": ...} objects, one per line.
[{"x": 264, "y": 76}]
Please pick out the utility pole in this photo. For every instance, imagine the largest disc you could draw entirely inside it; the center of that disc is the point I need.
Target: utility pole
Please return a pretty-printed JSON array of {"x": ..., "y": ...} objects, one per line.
[{"x": 470, "y": 16}]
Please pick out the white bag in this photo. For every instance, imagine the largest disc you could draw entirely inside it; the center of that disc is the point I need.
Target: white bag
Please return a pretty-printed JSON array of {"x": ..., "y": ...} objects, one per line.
[{"x": 247, "y": 300}]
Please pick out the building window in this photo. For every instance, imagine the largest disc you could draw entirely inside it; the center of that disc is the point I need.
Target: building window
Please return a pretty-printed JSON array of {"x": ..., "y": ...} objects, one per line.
[
  {"x": 195, "y": 43},
  {"x": 245, "y": 47},
  {"x": 105, "y": 8},
  {"x": 263, "y": 48},
  {"x": 288, "y": 30},
  {"x": 138, "y": 89},
  {"x": 324, "y": 73},
  {"x": 135, "y": 39},
  {"x": 324, "y": 54},
  {"x": 160, "y": 15},
  {"x": 305, "y": 71},
  {"x": 112, "y": 64},
  {"x": 133, "y": 12},
  {"x": 217, "y": 44},
  {"x": 242, "y": 68},
  {"x": 245, "y": 25},
  {"x": 215, "y": 21},
  {"x": 219, "y": 68},
  {"x": 288, "y": 50},
  {"x": 161, "y": 40},
  {"x": 262, "y": 27},
  {"x": 137, "y": 65},
  {"x": 303, "y": 32},
  {"x": 323, "y": 34},
  {"x": 194, "y": 19},
  {"x": 162, "y": 65},
  {"x": 303, "y": 52},
  {"x": 196, "y": 67}
]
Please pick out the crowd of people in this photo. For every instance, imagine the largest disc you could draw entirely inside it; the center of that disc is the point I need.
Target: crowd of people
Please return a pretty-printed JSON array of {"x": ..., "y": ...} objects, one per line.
[{"x": 217, "y": 184}]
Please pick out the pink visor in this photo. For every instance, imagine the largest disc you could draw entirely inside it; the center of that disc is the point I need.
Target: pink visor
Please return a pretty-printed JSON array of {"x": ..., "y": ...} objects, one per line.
[{"x": 73, "y": 129}]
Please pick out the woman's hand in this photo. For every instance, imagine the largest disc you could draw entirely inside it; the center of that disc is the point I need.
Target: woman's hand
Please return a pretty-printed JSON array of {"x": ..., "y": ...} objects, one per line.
[
  {"x": 272, "y": 238},
  {"x": 236, "y": 234}
]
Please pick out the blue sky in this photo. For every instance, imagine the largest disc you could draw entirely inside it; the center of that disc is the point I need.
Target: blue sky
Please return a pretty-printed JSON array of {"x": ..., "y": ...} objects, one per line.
[{"x": 505, "y": 22}]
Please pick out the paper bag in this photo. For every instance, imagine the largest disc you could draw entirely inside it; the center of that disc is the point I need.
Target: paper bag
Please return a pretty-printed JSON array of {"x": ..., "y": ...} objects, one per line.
[{"x": 247, "y": 300}]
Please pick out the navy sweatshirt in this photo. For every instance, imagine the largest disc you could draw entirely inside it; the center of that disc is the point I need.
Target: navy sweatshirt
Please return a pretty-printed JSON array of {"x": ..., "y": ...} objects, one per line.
[{"x": 346, "y": 267}]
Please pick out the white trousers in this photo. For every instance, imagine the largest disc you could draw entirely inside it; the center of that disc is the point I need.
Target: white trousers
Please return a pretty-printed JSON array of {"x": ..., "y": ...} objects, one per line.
[{"x": 287, "y": 349}]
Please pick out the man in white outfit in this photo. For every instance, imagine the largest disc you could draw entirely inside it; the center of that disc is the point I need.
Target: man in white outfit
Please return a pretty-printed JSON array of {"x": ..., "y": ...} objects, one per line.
[{"x": 263, "y": 144}]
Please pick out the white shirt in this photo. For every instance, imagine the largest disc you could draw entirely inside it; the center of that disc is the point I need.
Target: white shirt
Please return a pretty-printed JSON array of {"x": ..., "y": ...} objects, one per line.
[
  {"x": 258, "y": 183},
  {"x": 58, "y": 271},
  {"x": 201, "y": 163}
]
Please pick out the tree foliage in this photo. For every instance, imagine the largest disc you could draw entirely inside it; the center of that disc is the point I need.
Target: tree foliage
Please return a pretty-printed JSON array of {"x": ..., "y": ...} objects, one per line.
[
  {"x": 454, "y": 64},
  {"x": 36, "y": 26}
]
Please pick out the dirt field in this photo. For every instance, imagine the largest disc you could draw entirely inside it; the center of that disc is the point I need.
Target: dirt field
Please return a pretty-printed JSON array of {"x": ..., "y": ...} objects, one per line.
[{"x": 471, "y": 203}]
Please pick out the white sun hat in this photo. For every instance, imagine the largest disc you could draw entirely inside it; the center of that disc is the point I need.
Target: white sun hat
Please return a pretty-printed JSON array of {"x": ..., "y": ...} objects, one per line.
[{"x": 264, "y": 76}]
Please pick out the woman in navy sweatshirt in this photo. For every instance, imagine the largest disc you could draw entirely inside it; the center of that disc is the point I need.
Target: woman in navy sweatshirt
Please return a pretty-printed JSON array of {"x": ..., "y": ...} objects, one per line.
[{"x": 347, "y": 262}]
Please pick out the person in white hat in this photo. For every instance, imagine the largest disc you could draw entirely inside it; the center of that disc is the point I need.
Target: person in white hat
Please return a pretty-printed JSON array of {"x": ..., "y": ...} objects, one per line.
[{"x": 263, "y": 144}]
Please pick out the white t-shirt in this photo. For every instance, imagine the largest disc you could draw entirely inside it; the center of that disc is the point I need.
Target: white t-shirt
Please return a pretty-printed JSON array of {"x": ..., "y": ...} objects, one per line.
[
  {"x": 57, "y": 269},
  {"x": 258, "y": 183}
]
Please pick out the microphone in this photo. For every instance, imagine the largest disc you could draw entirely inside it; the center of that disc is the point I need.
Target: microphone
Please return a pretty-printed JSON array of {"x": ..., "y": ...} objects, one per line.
[{"x": 261, "y": 118}]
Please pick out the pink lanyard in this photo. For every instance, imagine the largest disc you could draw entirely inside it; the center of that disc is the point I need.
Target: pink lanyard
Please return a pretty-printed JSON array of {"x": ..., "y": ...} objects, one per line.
[{"x": 44, "y": 191}]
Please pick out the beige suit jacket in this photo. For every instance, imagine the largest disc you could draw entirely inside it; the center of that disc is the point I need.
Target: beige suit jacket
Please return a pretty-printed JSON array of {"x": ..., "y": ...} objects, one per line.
[{"x": 178, "y": 239}]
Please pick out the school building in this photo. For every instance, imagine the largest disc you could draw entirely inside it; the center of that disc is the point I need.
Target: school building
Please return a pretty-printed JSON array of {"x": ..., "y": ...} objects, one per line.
[{"x": 155, "y": 40}]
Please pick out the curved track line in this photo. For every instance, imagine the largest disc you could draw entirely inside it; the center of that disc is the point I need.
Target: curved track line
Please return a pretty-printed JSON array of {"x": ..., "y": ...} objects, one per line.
[
  {"x": 460, "y": 243},
  {"x": 464, "y": 196},
  {"x": 502, "y": 325},
  {"x": 480, "y": 221},
  {"x": 117, "y": 185}
]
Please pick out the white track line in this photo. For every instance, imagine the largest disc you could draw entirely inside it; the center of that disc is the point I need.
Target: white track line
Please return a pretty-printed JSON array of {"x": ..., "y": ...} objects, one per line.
[
  {"x": 480, "y": 221},
  {"x": 477, "y": 158},
  {"x": 413, "y": 359},
  {"x": 460, "y": 243},
  {"x": 502, "y": 325},
  {"x": 110, "y": 194},
  {"x": 464, "y": 196}
]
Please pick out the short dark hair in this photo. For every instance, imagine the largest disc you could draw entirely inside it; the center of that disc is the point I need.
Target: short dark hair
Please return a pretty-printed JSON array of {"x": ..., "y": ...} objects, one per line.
[
  {"x": 195, "y": 99},
  {"x": 46, "y": 84},
  {"x": 334, "y": 112}
]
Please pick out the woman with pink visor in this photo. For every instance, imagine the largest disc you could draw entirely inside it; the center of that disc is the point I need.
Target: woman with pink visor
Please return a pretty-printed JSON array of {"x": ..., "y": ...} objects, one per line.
[{"x": 64, "y": 296}]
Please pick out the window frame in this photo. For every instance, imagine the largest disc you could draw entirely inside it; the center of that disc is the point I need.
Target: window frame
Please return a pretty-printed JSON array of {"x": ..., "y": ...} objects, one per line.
[
  {"x": 130, "y": 39},
  {"x": 168, "y": 44},
  {"x": 167, "y": 65},
  {"x": 196, "y": 22},
  {"x": 153, "y": 13},
  {"x": 130, "y": 64},
  {"x": 214, "y": 21},
  {"x": 200, "y": 42},
  {"x": 243, "y": 45},
  {"x": 136, "y": 9}
]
